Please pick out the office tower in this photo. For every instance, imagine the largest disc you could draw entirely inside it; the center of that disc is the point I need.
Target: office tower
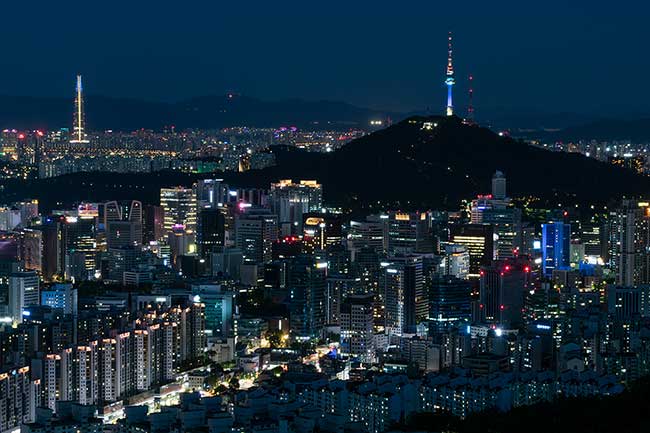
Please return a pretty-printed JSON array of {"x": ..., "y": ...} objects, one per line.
[
  {"x": 60, "y": 295},
  {"x": 286, "y": 247},
  {"x": 290, "y": 201},
  {"x": 409, "y": 233},
  {"x": 449, "y": 302},
  {"x": 23, "y": 292},
  {"x": 211, "y": 193},
  {"x": 255, "y": 232},
  {"x": 121, "y": 260},
  {"x": 507, "y": 228},
  {"x": 626, "y": 303},
  {"x": 123, "y": 224},
  {"x": 31, "y": 249},
  {"x": 321, "y": 231},
  {"x": 307, "y": 283},
  {"x": 357, "y": 330},
  {"x": 499, "y": 185},
  {"x": 226, "y": 262},
  {"x": 78, "y": 237},
  {"x": 339, "y": 287},
  {"x": 28, "y": 211},
  {"x": 367, "y": 234},
  {"x": 219, "y": 309},
  {"x": 367, "y": 267},
  {"x": 179, "y": 205},
  {"x": 78, "y": 135},
  {"x": 182, "y": 242},
  {"x": 405, "y": 300},
  {"x": 210, "y": 230},
  {"x": 153, "y": 224},
  {"x": 592, "y": 238},
  {"x": 450, "y": 81},
  {"x": 456, "y": 261},
  {"x": 502, "y": 288},
  {"x": 630, "y": 243},
  {"x": 479, "y": 240},
  {"x": 556, "y": 239},
  {"x": 51, "y": 261}
]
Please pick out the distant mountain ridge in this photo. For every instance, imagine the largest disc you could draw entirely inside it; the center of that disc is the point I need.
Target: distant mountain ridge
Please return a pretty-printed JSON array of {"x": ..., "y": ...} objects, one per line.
[
  {"x": 206, "y": 112},
  {"x": 635, "y": 130},
  {"x": 418, "y": 163}
]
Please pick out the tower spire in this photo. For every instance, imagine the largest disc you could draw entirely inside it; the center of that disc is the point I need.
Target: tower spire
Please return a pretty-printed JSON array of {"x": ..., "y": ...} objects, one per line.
[
  {"x": 78, "y": 124},
  {"x": 450, "y": 81}
]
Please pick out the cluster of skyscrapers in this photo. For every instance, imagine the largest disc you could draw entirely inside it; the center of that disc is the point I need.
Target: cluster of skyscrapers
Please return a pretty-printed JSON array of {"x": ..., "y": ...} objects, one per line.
[{"x": 106, "y": 302}]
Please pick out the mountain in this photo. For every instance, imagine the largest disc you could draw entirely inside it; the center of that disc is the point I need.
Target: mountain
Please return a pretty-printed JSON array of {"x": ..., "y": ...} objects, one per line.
[
  {"x": 421, "y": 162},
  {"x": 208, "y": 112},
  {"x": 636, "y": 131}
]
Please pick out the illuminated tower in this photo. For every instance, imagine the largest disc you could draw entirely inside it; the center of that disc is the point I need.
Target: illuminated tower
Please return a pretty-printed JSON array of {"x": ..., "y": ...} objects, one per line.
[
  {"x": 450, "y": 79},
  {"x": 79, "y": 123}
]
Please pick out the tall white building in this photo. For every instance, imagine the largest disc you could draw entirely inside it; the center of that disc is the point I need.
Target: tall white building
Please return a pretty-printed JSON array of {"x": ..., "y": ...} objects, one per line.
[{"x": 23, "y": 292}]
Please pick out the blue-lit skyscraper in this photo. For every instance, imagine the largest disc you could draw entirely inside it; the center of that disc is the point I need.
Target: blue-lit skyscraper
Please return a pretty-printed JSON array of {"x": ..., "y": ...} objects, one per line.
[{"x": 556, "y": 239}]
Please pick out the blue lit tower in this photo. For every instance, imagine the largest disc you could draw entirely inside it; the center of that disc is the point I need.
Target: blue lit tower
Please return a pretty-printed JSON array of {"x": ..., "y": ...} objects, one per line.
[
  {"x": 450, "y": 80},
  {"x": 79, "y": 123},
  {"x": 556, "y": 240}
]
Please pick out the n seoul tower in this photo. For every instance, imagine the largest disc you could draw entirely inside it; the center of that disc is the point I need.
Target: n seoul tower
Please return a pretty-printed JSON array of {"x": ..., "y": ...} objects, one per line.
[{"x": 450, "y": 79}]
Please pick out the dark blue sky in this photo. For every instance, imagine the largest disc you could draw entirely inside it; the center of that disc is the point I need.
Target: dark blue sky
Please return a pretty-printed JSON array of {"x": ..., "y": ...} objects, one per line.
[{"x": 554, "y": 56}]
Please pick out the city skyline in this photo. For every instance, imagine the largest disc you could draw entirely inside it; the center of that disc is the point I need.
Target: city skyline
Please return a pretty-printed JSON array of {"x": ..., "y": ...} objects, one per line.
[
  {"x": 255, "y": 52},
  {"x": 215, "y": 232}
]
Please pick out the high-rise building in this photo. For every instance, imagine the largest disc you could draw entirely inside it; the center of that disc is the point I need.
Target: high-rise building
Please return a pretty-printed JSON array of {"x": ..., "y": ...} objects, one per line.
[
  {"x": 508, "y": 230},
  {"x": 290, "y": 201},
  {"x": 405, "y": 300},
  {"x": 556, "y": 243},
  {"x": 409, "y": 233},
  {"x": 18, "y": 393},
  {"x": 31, "y": 249},
  {"x": 219, "y": 310},
  {"x": 23, "y": 292},
  {"x": 307, "y": 284},
  {"x": 630, "y": 243},
  {"x": 123, "y": 224},
  {"x": 153, "y": 224},
  {"x": 78, "y": 238},
  {"x": 321, "y": 231},
  {"x": 61, "y": 295},
  {"x": 357, "y": 327},
  {"x": 255, "y": 232},
  {"x": 210, "y": 230},
  {"x": 449, "y": 302},
  {"x": 179, "y": 205},
  {"x": 502, "y": 289},
  {"x": 79, "y": 124},
  {"x": 369, "y": 233},
  {"x": 211, "y": 193},
  {"x": 479, "y": 240},
  {"x": 456, "y": 261}
]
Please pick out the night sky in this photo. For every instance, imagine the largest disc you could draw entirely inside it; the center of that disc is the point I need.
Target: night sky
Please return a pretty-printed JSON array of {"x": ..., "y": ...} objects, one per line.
[{"x": 586, "y": 57}]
